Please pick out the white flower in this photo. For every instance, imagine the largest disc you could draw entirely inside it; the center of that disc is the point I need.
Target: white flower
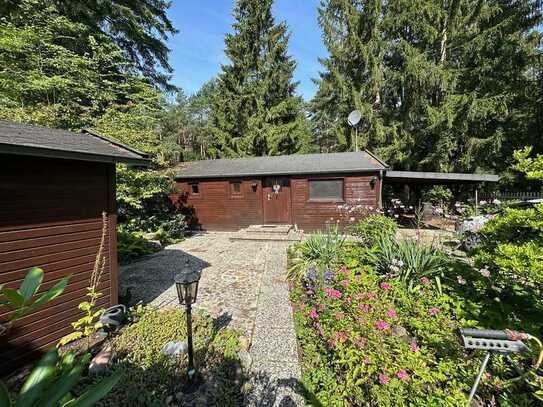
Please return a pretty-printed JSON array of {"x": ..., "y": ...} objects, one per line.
[
  {"x": 496, "y": 202},
  {"x": 461, "y": 280},
  {"x": 482, "y": 203},
  {"x": 485, "y": 272},
  {"x": 457, "y": 204}
]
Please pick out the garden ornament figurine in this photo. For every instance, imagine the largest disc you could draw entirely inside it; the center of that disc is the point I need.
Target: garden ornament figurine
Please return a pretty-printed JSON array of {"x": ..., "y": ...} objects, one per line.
[{"x": 506, "y": 342}]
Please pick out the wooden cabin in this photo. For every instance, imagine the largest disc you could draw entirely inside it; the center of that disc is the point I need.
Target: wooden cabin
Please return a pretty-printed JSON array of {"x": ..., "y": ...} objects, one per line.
[
  {"x": 54, "y": 187},
  {"x": 303, "y": 190}
]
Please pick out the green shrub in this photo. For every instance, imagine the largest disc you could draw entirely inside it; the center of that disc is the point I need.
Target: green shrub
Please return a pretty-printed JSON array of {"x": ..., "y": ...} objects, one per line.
[
  {"x": 149, "y": 377},
  {"x": 131, "y": 245},
  {"x": 369, "y": 230},
  {"x": 410, "y": 260},
  {"x": 319, "y": 251},
  {"x": 438, "y": 195}
]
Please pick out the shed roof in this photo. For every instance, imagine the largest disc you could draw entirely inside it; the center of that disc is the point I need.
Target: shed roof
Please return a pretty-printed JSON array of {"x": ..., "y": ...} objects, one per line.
[
  {"x": 362, "y": 161},
  {"x": 439, "y": 177},
  {"x": 24, "y": 139}
]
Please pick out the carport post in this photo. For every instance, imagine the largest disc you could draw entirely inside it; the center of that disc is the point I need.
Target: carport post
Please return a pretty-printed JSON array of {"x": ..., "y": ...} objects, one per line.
[{"x": 476, "y": 198}]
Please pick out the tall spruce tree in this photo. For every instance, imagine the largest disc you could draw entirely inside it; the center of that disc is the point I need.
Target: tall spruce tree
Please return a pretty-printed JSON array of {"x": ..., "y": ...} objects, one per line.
[
  {"x": 255, "y": 110},
  {"x": 443, "y": 84}
]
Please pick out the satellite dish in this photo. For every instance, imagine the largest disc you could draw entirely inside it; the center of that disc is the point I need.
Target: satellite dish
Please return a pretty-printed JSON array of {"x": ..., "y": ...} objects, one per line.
[{"x": 354, "y": 117}]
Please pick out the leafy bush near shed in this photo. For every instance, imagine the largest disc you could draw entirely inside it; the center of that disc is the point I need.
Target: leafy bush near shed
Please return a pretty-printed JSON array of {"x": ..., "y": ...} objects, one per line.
[{"x": 372, "y": 228}]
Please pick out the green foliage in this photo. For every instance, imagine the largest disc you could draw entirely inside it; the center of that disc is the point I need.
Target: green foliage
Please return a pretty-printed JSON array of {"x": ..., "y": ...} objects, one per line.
[
  {"x": 149, "y": 376},
  {"x": 410, "y": 260},
  {"x": 372, "y": 228},
  {"x": 143, "y": 199},
  {"x": 24, "y": 300},
  {"x": 438, "y": 195},
  {"x": 255, "y": 110},
  {"x": 318, "y": 250},
  {"x": 131, "y": 245},
  {"x": 443, "y": 89},
  {"x": 52, "y": 383},
  {"x": 532, "y": 167}
]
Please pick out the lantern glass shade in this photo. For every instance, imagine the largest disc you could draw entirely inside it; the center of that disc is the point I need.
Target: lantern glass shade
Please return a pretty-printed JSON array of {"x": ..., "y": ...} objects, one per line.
[{"x": 187, "y": 287}]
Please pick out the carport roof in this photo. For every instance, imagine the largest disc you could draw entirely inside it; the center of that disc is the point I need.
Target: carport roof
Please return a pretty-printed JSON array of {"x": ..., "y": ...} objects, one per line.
[
  {"x": 439, "y": 177},
  {"x": 24, "y": 139}
]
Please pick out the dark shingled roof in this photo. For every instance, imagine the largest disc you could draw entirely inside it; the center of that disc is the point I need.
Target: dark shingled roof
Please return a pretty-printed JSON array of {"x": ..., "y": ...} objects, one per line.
[
  {"x": 362, "y": 161},
  {"x": 23, "y": 139}
]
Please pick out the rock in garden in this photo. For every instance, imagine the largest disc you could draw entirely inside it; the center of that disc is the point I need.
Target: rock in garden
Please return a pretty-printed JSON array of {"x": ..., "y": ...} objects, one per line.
[{"x": 101, "y": 361}]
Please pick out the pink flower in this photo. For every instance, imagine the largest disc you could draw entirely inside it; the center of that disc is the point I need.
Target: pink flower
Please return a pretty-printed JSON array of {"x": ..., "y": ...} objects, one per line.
[
  {"x": 370, "y": 295},
  {"x": 313, "y": 313},
  {"x": 382, "y": 325},
  {"x": 341, "y": 336},
  {"x": 433, "y": 311},
  {"x": 413, "y": 346},
  {"x": 402, "y": 374},
  {"x": 485, "y": 272},
  {"x": 366, "y": 360},
  {"x": 332, "y": 293},
  {"x": 359, "y": 342},
  {"x": 344, "y": 270},
  {"x": 365, "y": 308},
  {"x": 391, "y": 313},
  {"x": 425, "y": 280},
  {"x": 309, "y": 292},
  {"x": 344, "y": 283},
  {"x": 385, "y": 286},
  {"x": 383, "y": 378},
  {"x": 322, "y": 307}
]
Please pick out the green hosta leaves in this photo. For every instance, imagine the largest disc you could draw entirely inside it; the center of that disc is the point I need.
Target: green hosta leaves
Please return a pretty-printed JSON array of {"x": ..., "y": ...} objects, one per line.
[{"x": 31, "y": 283}]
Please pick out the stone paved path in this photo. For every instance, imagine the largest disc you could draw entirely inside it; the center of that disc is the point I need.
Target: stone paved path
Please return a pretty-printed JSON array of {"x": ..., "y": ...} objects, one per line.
[{"x": 243, "y": 285}]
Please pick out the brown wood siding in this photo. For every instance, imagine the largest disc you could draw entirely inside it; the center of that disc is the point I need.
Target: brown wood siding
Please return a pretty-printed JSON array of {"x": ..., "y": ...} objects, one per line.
[
  {"x": 312, "y": 216},
  {"x": 216, "y": 208},
  {"x": 50, "y": 217}
]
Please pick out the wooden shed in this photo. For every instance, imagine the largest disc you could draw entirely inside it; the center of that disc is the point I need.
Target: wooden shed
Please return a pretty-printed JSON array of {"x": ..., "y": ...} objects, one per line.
[
  {"x": 54, "y": 187},
  {"x": 303, "y": 190}
]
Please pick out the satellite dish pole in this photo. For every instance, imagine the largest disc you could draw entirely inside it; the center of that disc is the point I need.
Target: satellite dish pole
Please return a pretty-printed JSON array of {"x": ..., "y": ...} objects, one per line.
[{"x": 353, "y": 119}]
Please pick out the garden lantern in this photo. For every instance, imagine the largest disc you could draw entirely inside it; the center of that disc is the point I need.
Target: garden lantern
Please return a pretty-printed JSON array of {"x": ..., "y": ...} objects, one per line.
[{"x": 187, "y": 289}]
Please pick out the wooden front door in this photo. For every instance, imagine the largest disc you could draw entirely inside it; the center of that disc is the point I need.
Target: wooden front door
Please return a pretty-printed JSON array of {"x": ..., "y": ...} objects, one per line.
[{"x": 276, "y": 197}]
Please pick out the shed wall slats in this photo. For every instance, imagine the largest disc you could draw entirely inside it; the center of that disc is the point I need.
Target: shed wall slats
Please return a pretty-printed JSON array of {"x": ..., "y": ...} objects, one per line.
[{"x": 52, "y": 219}]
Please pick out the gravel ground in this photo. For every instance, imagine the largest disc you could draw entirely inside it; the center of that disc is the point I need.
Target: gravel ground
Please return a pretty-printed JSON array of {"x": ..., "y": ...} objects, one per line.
[{"x": 243, "y": 285}]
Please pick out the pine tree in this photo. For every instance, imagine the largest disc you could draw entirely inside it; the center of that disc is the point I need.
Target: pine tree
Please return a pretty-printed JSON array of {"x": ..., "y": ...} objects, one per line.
[
  {"x": 353, "y": 75},
  {"x": 255, "y": 110},
  {"x": 444, "y": 85}
]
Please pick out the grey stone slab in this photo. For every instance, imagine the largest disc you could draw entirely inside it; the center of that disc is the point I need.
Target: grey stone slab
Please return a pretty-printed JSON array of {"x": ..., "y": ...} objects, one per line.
[{"x": 280, "y": 316}]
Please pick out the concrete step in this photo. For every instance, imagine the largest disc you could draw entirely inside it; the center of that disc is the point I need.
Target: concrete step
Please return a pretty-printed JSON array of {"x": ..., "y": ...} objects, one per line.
[
  {"x": 272, "y": 228},
  {"x": 292, "y": 236}
]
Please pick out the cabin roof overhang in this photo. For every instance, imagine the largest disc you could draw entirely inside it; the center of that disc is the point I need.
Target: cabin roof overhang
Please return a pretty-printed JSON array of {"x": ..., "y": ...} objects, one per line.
[{"x": 37, "y": 141}]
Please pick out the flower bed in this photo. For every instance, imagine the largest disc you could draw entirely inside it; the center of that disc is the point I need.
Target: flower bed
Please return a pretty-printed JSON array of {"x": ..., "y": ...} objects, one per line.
[{"x": 377, "y": 336}]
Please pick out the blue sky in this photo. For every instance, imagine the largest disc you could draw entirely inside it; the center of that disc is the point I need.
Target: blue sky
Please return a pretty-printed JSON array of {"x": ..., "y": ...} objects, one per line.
[{"x": 197, "y": 51}]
